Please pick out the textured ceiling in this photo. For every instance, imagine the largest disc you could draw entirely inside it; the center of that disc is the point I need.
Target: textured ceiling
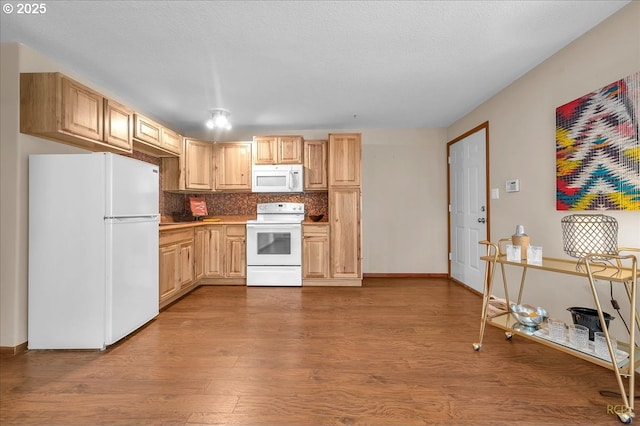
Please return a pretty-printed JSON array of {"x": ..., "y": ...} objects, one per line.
[{"x": 304, "y": 64}]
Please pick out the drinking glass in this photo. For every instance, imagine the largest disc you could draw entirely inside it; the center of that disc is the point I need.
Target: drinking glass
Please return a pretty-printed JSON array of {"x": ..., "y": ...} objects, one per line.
[
  {"x": 556, "y": 329},
  {"x": 534, "y": 255},
  {"x": 578, "y": 336},
  {"x": 513, "y": 253},
  {"x": 600, "y": 343}
]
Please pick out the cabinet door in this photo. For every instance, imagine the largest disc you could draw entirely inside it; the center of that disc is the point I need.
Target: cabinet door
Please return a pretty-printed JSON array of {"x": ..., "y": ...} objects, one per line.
[
  {"x": 118, "y": 124},
  {"x": 235, "y": 257},
  {"x": 170, "y": 140},
  {"x": 235, "y": 251},
  {"x": 198, "y": 165},
  {"x": 233, "y": 165},
  {"x": 315, "y": 251},
  {"x": 146, "y": 130},
  {"x": 186, "y": 264},
  {"x": 289, "y": 150},
  {"x": 82, "y": 110},
  {"x": 264, "y": 150},
  {"x": 169, "y": 271},
  {"x": 344, "y": 159},
  {"x": 199, "y": 255},
  {"x": 315, "y": 165},
  {"x": 344, "y": 219},
  {"x": 213, "y": 262}
]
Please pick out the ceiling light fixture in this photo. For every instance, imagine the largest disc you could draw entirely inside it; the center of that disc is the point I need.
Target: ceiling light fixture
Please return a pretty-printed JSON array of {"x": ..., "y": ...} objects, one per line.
[{"x": 219, "y": 119}]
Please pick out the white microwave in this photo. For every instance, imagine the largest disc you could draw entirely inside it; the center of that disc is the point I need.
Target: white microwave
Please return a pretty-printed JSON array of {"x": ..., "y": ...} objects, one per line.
[{"x": 277, "y": 178}]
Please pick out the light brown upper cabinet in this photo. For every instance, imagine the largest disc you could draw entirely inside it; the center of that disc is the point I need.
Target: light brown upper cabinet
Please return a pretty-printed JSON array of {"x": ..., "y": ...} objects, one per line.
[
  {"x": 118, "y": 125},
  {"x": 264, "y": 149},
  {"x": 82, "y": 110},
  {"x": 232, "y": 166},
  {"x": 345, "y": 153},
  {"x": 171, "y": 141},
  {"x": 315, "y": 165},
  {"x": 277, "y": 149},
  {"x": 154, "y": 139},
  {"x": 56, "y": 107},
  {"x": 198, "y": 164},
  {"x": 146, "y": 130},
  {"x": 192, "y": 171}
]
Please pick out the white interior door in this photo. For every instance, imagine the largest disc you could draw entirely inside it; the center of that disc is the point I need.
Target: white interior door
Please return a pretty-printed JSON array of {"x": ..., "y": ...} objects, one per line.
[{"x": 468, "y": 209}]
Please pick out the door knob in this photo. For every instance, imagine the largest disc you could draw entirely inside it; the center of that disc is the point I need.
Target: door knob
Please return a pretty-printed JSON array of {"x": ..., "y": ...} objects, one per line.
[{"x": 481, "y": 220}]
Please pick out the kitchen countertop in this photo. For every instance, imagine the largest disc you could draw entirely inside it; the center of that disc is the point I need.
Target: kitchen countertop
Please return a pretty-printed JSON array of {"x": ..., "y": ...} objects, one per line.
[
  {"x": 322, "y": 221},
  {"x": 224, "y": 220}
]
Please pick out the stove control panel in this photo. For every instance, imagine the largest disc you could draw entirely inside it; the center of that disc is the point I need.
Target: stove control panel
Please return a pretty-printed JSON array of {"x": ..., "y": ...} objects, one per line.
[{"x": 280, "y": 208}]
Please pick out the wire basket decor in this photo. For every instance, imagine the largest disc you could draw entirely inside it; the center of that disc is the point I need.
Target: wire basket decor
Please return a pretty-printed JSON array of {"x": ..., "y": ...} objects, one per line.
[{"x": 584, "y": 234}]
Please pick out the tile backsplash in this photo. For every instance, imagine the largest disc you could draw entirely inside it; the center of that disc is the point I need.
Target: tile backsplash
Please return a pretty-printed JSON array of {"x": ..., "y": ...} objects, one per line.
[
  {"x": 235, "y": 203},
  {"x": 244, "y": 203}
]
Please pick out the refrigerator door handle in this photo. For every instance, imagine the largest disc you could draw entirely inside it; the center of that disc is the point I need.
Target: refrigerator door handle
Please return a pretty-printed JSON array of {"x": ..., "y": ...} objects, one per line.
[{"x": 147, "y": 217}]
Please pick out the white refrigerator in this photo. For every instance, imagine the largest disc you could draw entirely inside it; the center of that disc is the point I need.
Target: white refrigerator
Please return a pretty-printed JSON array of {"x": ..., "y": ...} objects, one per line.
[{"x": 93, "y": 249}]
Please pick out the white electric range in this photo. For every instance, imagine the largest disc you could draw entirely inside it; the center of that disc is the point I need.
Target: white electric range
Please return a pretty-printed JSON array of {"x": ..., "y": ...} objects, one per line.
[{"x": 274, "y": 245}]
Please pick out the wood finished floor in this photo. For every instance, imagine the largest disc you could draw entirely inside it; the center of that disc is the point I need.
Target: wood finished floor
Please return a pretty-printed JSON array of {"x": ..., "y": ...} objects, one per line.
[{"x": 394, "y": 352}]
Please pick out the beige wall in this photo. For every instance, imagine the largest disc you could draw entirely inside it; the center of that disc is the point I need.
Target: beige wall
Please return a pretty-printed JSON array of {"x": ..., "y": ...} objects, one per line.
[{"x": 522, "y": 145}]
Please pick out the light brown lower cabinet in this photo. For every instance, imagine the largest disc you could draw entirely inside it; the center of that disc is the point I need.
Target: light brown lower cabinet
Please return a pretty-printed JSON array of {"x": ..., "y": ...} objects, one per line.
[
  {"x": 176, "y": 263},
  {"x": 344, "y": 219},
  {"x": 169, "y": 272},
  {"x": 213, "y": 240},
  {"x": 199, "y": 235},
  {"x": 235, "y": 255},
  {"x": 225, "y": 251},
  {"x": 315, "y": 251}
]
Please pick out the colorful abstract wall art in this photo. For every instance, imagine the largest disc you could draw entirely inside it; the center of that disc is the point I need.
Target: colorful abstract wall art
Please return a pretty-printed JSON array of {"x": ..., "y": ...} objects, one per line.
[{"x": 598, "y": 149}]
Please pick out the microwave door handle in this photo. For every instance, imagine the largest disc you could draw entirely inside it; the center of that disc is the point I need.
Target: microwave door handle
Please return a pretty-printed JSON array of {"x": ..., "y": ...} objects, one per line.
[{"x": 292, "y": 176}]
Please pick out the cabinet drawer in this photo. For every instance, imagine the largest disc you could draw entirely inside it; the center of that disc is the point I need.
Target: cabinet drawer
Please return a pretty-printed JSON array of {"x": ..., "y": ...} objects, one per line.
[
  {"x": 315, "y": 230},
  {"x": 236, "y": 230},
  {"x": 175, "y": 236}
]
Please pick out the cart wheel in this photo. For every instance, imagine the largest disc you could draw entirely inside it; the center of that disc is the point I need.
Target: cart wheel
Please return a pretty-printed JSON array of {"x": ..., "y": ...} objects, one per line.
[
  {"x": 625, "y": 418},
  {"x": 508, "y": 335},
  {"x": 477, "y": 346}
]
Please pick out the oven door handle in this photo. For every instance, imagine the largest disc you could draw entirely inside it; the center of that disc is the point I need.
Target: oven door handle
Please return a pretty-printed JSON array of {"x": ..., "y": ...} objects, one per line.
[{"x": 283, "y": 225}]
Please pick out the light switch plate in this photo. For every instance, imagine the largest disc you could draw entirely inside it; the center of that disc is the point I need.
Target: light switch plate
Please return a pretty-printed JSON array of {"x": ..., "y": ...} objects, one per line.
[
  {"x": 495, "y": 193},
  {"x": 513, "y": 185}
]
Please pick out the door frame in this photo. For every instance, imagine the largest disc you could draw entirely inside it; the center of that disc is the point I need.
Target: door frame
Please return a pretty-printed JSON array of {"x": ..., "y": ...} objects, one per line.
[{"x": 479, "y": 127}]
